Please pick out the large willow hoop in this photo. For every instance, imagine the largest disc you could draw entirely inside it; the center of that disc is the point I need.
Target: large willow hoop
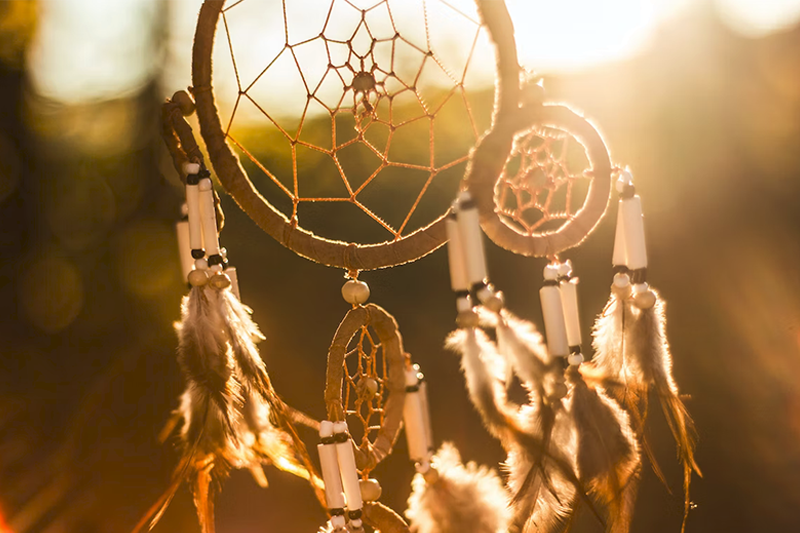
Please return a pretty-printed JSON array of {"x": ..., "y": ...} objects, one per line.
[{"x": 351, "y": 256}]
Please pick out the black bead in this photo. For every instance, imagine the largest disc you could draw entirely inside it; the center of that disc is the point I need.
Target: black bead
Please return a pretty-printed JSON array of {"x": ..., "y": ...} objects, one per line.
[
  {"x": 467, "y": 204},
  {"x": 198, "y": 253},
  {"x": 639, "y": 275},
  {"x": 215, "y": 259},
  {"x": 628, "y": 191},
  {"x": 354, "y": 515},
  {"x": 192, "y": 179}
]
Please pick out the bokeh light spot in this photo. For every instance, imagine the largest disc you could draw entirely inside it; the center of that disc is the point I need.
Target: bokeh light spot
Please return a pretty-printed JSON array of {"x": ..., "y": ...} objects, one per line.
[
  {"x": 93, "y": 49},
  {"x": 10, "y": 167},
  {"x": 80, "y": 208},
  {"x": 147, "y": 259},
  {"x": 757, "y": 18},
  {"x": 50, "y": 291}
]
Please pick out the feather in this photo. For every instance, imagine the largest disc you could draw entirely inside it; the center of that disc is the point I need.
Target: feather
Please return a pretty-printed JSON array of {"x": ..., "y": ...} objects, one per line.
[
  {"x": 203, "y": 489},
  {"x": 609, "y": 339},
  {"x": 243, "y": 335},
  {"x": 538, "y": 437},
  {"x": 209, "y": 370},
  {"x": 265, "y": 444},
  {"x": 647, "y": 341},
  {"x": 231, "y": 416},
  {"x": 523, "y": 346},
  {"x": 210, "y": 406},
  {"x": 457, "y": 497},
  {"x": 607, "y": 451},
  {"x": 541, "y": 470},
  {"x": 479, "y": 358}
]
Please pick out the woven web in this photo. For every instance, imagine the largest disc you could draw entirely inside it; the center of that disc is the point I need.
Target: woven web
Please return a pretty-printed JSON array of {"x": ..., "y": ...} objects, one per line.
[
  {"x": 364, "y": 366},
  {"x": 378, "y": 117},
  {"x": 544, "y": 183}
]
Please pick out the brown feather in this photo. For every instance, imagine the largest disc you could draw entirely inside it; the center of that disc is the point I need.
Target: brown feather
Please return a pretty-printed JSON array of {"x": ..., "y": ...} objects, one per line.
[
  {"x": 607, "y": 452},
  {"x": 648, "y": 343}
]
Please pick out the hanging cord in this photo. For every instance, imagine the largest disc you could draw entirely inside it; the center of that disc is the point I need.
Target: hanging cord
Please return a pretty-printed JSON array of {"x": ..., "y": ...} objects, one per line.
[{"x": 181, "y": 143}]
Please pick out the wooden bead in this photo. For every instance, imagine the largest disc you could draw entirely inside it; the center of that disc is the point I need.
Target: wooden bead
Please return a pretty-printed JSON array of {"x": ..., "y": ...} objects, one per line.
[
  {"x": 368, "y": 386},
  {"x": 467, "y": 319},
  {"x": 197, "y": 278},
  {"x": 219, "y": 281},
  {"x": 645, "y": 299},
  {"x": 370, "y": 489},
  {"x": 184, "y": 102},
  {"x": 355, "y": 292}
]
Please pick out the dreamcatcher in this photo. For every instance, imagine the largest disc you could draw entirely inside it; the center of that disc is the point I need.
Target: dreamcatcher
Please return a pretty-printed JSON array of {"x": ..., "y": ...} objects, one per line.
[
  {"x": 374, "y": 79},
  {"x": 572, "y": 442}
]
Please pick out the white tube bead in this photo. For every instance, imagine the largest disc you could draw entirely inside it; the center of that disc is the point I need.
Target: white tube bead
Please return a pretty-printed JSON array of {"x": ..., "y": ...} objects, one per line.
[
  {"x": 635, "y": 250},
  {"x": 463, "y": 304},
  {"x": 569, "y": 302},
  {"x": 329, "y": 464},
  {"x": 459, "y": 280},
  {"x": 553, "y": 313},
  {"x": 620, "y": 256},
  {"x": 184, "y": 248},
  {"x": 208, "y": 217},
  {"x": 414, "y": 420},
  {"x": 426, "y": 413},
  {"x": 191, "y": 168},
  {"x": 195, "y": 225},
  {"x": 469, "y": 227},
  {"x": 231, "y": 273},
  {"x": 334, "y": 494},
  {"x": 347, "y": 469}
]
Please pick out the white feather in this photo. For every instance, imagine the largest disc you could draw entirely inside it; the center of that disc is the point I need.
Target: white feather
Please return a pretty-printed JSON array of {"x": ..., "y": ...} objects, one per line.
[{"x": 468, "y": 498}]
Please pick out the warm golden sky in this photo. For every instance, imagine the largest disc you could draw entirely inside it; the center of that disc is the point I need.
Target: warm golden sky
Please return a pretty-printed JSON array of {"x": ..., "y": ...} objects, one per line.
[{"x": 95, "y": 49}]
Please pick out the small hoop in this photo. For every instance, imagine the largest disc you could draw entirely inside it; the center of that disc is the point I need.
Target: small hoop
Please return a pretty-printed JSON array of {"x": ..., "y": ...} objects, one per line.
[
  {"x": 369, "y": 453},
  {"x": 483, "y": 182}
]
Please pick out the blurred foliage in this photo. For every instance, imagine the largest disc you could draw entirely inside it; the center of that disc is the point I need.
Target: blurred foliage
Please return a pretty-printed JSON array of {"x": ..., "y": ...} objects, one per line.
[
  {"x": 710, "y": 124},
  {"x": 17, "y": 24}
]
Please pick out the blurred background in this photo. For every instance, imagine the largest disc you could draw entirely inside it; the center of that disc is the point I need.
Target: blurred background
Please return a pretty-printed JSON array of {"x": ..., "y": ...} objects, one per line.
[{"x": 700, "y": 97}]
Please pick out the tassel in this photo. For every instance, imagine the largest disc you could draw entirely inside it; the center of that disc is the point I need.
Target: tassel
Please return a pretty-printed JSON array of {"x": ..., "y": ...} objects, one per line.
[
  {"x": 607, "y": 452},
  {"x": 457, "y": 497}
]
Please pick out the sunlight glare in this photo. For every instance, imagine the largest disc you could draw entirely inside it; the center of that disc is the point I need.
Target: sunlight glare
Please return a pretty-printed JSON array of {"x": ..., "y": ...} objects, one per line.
[
  {"x": 93, "y": 49},
  {"x": 756, "y": 18},
  {"x": 576, "y": 34}
]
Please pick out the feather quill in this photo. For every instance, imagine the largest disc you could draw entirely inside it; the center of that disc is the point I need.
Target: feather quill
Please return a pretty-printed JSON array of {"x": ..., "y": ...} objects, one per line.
[{"x": 457, "y": 497}]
